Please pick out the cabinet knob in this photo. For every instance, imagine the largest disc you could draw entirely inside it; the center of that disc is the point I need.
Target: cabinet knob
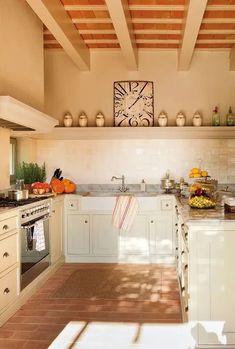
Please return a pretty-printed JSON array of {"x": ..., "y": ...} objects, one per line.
[
  {"x": 186, "y": 267},
  {"x": 182, "y": 225},
  {"x": 167, "y": 205},
  {"x": 176, "y": 224},
  {"x": 186, "y": 309},
  {"x": 182, "y": 253},
  {"x": 182, "y": 289},
  {"x": 86, "y": 221},
  {"x": 53, "y": 211},
  {"x": 5, "y": 255},
  {"x": 151, "y": 221},
  {"x": 6, "y": 291},
  {"x": 5, "y": 227},
  {"x": 71, "y": 205},
  {"x": 186, "y": 236}
]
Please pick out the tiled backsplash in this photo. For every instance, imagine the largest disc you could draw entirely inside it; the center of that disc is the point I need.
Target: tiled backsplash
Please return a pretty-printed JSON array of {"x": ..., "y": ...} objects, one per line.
[{"x": 96, "y": 161}]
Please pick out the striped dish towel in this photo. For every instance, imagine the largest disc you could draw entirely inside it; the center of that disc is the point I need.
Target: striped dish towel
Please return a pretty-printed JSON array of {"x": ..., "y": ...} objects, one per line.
[
  {"x": 39, "y": 236},
  {"x": 124, "y": 212}
]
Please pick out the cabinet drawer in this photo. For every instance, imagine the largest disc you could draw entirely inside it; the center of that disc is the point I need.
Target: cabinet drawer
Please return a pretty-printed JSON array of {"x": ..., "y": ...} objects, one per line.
[
  {"x": 72, "y": 204},
  {"x": 8, "y": 288},
  {"x": 166, "y": 204},
  {"x": 8, "y": 225},
  {"x": 8, "y": 252}
]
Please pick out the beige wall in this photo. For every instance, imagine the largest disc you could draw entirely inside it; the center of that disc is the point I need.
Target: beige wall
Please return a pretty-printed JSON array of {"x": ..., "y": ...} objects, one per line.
[
  {"x": 4, "y": 158},
  {"x": 97, "y": 161},
  {"x": 21, "y": 57},
  {"x": 208, "y": 83},
  {"x": 26, "y": 150}
]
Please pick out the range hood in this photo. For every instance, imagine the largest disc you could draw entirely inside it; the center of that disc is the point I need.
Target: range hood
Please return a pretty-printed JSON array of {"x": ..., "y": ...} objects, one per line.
[{"x": 19, "y": 116}]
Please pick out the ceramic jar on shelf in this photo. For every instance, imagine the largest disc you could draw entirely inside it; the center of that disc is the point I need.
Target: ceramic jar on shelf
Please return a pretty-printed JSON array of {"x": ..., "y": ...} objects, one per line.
[
  {"x": 162, "y": 119},
  {"x": 99, "y": 120},
  {"x": 82, "y": 120},
  {"x": 68, "y": 119},
  {"x": 180, "y": 119},
  {"x": 197, "y": 119}
]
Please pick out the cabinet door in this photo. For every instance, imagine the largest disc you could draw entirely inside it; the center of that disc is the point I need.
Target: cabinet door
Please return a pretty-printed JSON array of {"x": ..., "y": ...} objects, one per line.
[
  {"x": 104, "y": 236},
  {"x": 136, "y": 241},
  {"x": 216, "y": 285},
  {"x": 161, "y": 234},
  {"x": 56, "y": 230},
  {"x": 78, "y": 236}
]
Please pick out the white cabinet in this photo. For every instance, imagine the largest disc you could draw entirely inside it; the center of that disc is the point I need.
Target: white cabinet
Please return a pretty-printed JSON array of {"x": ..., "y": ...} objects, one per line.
[
  {"x": 91, "y": 237},
  {"x": 56, "y": 229},
  {"x": 161, "y": 234},
  {"x": 9, "y": 259},
  {"x": 104, "y": 236},
  {"x": 78, "y": 234}
]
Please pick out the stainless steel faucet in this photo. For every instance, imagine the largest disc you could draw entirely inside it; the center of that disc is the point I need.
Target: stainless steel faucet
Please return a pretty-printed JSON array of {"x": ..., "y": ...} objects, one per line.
[{"x": 123, "y": 186}]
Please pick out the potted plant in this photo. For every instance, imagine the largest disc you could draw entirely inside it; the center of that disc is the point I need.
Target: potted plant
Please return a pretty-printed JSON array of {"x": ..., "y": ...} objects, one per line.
[{"x": 31, "y": 172}]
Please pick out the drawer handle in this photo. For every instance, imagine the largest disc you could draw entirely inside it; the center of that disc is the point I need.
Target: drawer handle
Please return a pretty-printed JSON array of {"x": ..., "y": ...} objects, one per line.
[
  {"x": 5, "y": 255},
  {"x": 6, "y": 291},
  {"x": 182, "y": 289},
  {"x": 186, "y": 236},
  {"x": 5, "y": 227}
]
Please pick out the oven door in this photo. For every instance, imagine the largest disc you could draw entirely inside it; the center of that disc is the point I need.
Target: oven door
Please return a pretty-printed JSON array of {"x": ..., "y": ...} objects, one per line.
[{"x": 35, "y": 256}]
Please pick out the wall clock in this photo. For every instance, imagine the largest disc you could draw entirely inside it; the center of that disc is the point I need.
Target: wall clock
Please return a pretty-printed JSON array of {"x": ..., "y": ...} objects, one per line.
[{"x": 133, "y": 103}]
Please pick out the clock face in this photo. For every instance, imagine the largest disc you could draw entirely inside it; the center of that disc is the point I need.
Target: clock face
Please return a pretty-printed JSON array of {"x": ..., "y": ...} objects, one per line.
[{"x": 133, "y": 103}]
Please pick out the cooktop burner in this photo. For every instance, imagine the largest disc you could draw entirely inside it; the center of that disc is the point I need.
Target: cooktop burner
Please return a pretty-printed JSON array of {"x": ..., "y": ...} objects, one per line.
[{"x": 6, "y": 202}]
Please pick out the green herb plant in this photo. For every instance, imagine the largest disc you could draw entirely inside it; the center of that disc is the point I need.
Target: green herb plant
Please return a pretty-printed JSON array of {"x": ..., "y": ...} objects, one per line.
[{"x": 31, "y": 172}]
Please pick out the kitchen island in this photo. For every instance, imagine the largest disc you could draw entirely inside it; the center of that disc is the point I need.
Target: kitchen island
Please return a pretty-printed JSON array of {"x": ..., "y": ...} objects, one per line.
[{"x": 205, "y": 262}]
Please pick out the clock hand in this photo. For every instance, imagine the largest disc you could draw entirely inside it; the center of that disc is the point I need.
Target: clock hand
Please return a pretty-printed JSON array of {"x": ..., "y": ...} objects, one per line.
[{"x": 134, "y": 102}]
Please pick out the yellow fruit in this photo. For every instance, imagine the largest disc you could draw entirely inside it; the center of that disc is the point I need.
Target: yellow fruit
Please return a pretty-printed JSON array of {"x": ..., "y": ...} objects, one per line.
[
  {"x": 190, "y": 175},
  {"x": 195, "y": 170},
  {"x": 197, "y": 175},
  {"x": 204, "y": 173}
]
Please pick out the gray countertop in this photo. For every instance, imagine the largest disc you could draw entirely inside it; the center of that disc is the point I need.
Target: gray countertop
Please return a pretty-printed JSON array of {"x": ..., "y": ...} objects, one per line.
[{"x": 195, "y": 215}]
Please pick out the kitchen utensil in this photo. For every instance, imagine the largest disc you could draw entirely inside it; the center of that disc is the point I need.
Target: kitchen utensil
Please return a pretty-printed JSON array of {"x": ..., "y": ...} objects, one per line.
[
  {"x": 19, "y": 184},
  {"x": 222, "y": 195}
]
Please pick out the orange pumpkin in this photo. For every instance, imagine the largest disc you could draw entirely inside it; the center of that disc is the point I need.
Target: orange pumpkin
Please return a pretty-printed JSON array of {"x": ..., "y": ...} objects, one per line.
[
  {"x": 57, "y": 186},
  {"x": 69, "y": 186}
]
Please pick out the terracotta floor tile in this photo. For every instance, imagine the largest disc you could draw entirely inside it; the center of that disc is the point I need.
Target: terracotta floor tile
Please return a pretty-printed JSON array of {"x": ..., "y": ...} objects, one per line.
[{"x": 43, "y": 317}]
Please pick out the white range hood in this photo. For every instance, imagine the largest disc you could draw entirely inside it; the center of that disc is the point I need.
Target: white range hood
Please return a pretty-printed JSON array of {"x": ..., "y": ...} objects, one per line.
[{"x": 19, "y": 116}]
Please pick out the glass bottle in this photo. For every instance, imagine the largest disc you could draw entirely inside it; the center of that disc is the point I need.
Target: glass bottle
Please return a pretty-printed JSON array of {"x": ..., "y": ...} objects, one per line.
[
  {"x": 215, "y": 117},
  {"x": 229, "y": 118}
]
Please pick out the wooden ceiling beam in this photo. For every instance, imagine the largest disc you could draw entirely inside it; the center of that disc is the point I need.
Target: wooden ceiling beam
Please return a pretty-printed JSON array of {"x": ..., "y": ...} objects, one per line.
[
  {"x": 120, "y": 15},
  {"x": 194, "y": 14},
  {"x": 56, "y": 19}
]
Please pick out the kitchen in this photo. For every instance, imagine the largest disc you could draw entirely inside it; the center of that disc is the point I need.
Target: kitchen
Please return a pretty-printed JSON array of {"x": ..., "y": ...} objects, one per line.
[{"x": 35, "y": 71}]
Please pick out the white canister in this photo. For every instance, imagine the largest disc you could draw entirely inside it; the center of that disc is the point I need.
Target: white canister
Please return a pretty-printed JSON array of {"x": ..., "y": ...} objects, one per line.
[
  {"x": 180, "y": 119},
  {"x": 162, "y": 119},
  {"x": 82, "y": 120},
  {"x": 68, "y": 119},
  {"x": 197, "y": 119},
  {"x": 99, "y": 120}
]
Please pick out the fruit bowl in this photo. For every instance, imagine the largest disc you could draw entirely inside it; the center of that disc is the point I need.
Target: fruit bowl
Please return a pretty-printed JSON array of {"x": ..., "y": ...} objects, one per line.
[{"x": 201, "y": 202}]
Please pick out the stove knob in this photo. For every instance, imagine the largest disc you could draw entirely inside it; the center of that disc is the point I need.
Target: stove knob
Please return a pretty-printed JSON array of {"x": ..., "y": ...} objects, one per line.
[
  {"x": 23, "y": 215},
  {"x": 27, "y": 214},
  {"x": 32, "y": 213}
]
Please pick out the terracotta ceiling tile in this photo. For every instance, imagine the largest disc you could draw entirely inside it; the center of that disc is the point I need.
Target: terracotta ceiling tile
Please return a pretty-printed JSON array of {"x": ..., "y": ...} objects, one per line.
[
  {"x": 99, "y": 36},
  {"x": 158, "y": 36},
  {"x": 219, "y": 14},
  {"x": 217, "y": 26},
  {"x": 103, "y": 45},
  {"x": 213, "y": 46},
  {"x": 156, "y": 2},
  {"x": 214, "y": 36},
  {"x": 157, "y": 14},
  {"x": 160, "y": 26},
  {"x": 163, "y": 46},
  {"x": 93, "y": 26},
  {"x": 83, "y": 2},
  {"x": 221, "y": 2}
]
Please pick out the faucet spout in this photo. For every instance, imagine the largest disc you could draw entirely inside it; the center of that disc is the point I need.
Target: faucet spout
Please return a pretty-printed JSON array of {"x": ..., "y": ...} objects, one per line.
[{"x": 123, "y": 187}]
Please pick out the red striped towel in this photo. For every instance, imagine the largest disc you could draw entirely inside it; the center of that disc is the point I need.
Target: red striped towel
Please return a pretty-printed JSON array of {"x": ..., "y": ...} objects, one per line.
[{"x": 125, "y": 211}]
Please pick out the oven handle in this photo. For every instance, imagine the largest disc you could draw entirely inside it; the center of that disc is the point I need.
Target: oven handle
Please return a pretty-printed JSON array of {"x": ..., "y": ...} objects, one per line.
[{"x": 33, "y": 225}]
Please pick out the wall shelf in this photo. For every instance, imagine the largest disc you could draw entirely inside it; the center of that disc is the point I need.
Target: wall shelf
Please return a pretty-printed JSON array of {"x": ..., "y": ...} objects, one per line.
[{"x": 109, "y": 133}]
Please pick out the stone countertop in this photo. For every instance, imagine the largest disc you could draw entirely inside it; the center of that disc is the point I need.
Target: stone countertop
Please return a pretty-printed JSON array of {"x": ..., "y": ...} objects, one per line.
[
  {"x": 195, "y": 215},
  {"x": 117, "y": 193}
]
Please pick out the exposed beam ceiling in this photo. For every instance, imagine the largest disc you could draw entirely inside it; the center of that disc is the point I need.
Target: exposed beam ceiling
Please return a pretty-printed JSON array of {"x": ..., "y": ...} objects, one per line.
[
  {"x": 194, "y": 14},
  {"x": 120, "y": 15},
  {"x": 56, "y": 19}
]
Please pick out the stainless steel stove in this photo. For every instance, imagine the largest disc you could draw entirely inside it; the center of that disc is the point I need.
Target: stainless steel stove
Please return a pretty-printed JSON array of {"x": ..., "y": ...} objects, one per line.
[
  {"x": 6, "y": 202},
  {"x": 34, "y": 260}
]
